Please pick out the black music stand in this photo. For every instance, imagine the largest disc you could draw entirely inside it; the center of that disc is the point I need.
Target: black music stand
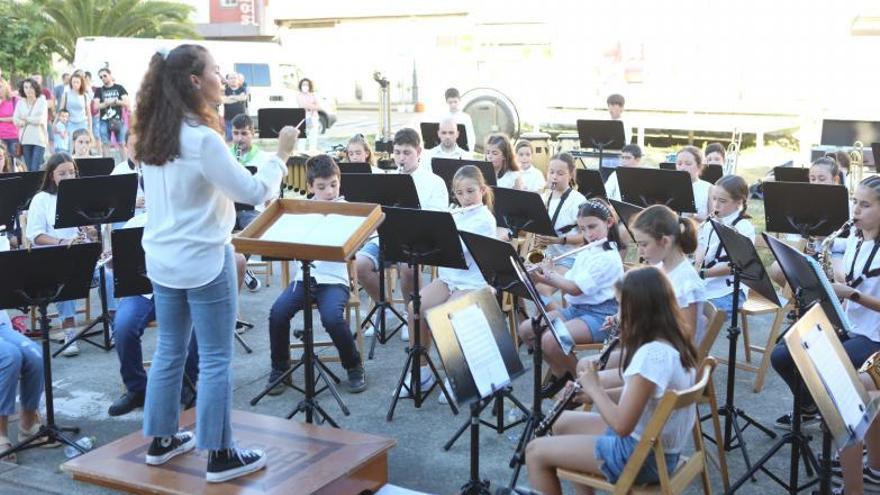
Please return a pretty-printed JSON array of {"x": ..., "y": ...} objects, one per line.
[
  {"x": 94, "y": 166},
  {"x": 480, "y": 361},
  {"x": 875, "y": 154},
  {"x": 601, "y": 135},
  {"x": 805, "y": 209},
  {"x": 431, "y": 139},
  {"x": 37, "y": 278},
  {"x": 539, "y": 323},
  {"x": 810, "y": 287},
  {"x": 521, "y": 210},
  {"x": 711, "y": 173},
  {"x": 447, "y": 167},
  {"x": 605, "y": 172},
  {"x": 396, "y": 190},
  {"x": 626, "y": 212},
  {"x": 791, "y": 174},
  {"x": 668, "y": 166},
  {"x": 15, "y": 196},
  {"x": 644, "y": 187},
  {"x": 746, "y": 267},
  {"x": 272, "y": 120},
  {"x": 93, "y": 201},
  {"x": 355, "y": 168},
  {"x": 417, "y": 238},
  {"x": 591, "y": 184}
]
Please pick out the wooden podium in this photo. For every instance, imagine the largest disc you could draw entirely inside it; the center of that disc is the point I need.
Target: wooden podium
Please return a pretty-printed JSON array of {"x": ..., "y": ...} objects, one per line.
[{"x": 302, "y": 459}]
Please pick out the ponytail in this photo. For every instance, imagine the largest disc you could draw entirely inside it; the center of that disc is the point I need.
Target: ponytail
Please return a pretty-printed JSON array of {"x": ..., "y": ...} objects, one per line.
[{"x": 658, "y": 221}]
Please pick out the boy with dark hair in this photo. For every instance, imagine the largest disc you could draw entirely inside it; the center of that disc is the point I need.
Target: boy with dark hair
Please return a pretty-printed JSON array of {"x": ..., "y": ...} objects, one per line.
[
  {"x": 630, "y": 156},
  {"x": 329, "y": 286},
  {"x": 453, "y": 101},
  {"x": 615, "y": 104}
]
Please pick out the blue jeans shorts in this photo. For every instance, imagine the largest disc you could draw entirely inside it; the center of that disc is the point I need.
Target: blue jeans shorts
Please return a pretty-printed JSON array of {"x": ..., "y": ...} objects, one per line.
[
  {"x": 593, "y": 315},
  {"x": 371, "y": 251},
  {"x": 615, "y": 451}
]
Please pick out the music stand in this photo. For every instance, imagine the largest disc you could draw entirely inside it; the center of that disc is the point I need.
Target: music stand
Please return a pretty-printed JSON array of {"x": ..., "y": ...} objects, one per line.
[
  {"x": 355, "y": 168},
  {"x": 668, "y": 166},
  {"x": 284, "y": 231},
  {"x": 480, "y": 361},
  {"x": 36, "y": 278},
  {"x": 272, "y": 120},
  {"x": 591, "y": 184},
  {"x": 805, "y": 209},
  {"x": 15, "y": 196},
  {"x": 417, "y": 238},
  {"x": 711, "y": 173},
  {"x": 644, "y": 187},
  {"x": 244, "y": 206},
  {"x": 521, "y": 210},
  {"x": 626, "y": 212},
  {"x": 94, "y": 166},
  {"x": 431, "y": 139},
  {"x": 604, "y": 171},
  {"x": 447, "y": 167},
  {"x": 875, "y": 153},
  {"x": 386, "y": 190},
  {"x": 93, "y": 201},
  {"x": 791, "y": 174},
  {"x": 601, "y": 135}
]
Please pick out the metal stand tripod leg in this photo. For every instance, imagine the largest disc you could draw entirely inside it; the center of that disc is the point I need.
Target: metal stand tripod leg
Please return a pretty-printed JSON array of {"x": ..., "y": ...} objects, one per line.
[
  {"x": 381, "y": 307},
  {"x": 536, "y": 415}
]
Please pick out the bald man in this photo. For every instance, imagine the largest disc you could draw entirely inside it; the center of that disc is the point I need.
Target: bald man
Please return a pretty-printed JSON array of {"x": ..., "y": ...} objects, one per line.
[{"x": 448, "y": 147}]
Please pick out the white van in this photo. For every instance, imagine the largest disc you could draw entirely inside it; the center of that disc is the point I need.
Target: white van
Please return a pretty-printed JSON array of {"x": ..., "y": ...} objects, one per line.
[{"x": 270, "y": 78}]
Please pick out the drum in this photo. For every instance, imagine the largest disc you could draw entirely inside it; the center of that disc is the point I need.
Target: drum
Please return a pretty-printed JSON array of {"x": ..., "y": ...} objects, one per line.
[{"x": 567, "y": 142}]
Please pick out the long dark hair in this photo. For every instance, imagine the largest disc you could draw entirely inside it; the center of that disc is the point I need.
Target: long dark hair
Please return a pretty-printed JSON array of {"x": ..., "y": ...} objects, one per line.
[
  {"x": 52, "y": 163},
  {"x": 648, "y": 312},
  {"x": 503, "y": 144},
  {"x": 167, "y": 96}
]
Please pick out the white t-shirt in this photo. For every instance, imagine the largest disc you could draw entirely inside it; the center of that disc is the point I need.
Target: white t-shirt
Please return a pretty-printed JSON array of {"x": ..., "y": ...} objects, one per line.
[
  {"x": 124, "y": 167},
  {"x": 595, "y": 271},
  {"x": 863, "y": 321},
  {"x": 192, "y": 208},
  {"x": 438, "y": 152},
  {"x": 612, "y": 188},
  {"x": 477, "y": 221},
  {"x": 508, "y": 180},
  {"x": 701, "y": 197},
  {"x": 465, "y": 120},
  {"x": 627, "y": 132},
  {"x": 533, "y": 179},
  {"x": 567, "y": 216},
  {"x": 41, "y": 218},
  {"x": 710, "y": 244},
  {"x": 660, "y": 363},
  {"x": 689, "y": 289}
]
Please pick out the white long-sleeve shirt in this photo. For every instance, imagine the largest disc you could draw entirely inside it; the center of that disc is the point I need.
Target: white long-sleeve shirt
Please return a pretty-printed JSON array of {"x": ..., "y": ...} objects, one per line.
[
  {"x": 191, "y": 207},
  {"x": 431, "y": 189}
]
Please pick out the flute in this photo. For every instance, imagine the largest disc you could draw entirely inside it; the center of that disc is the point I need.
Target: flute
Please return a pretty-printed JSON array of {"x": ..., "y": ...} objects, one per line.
[{"x": 464, "y": 209}]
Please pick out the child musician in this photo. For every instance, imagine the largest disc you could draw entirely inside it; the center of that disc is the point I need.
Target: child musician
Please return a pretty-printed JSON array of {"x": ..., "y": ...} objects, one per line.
[
  {"x": 533, "y": 179},
  {"x": 729, "y": 201},
  {"x": 630, "y": 156},
  {"x": 690, "y": 159},
  {"x": 358, "y": 150},
  {"x": 474, "y": 215},
  {"x": 330, "y": 289},
  {"x": 716, "y": 154},
  {"x": 82, "y": 143},
  {"x": 588, "y": 288},
  {"x": 41, "y": 231},
  {"x": 499, "y": 153},
  {"x": 658, "y": 355}
]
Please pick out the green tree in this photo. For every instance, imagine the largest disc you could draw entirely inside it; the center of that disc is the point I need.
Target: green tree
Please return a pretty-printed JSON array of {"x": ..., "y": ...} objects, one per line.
[
  {"x": 71, "y": 19},
  {"x": 24, "y": 46}
]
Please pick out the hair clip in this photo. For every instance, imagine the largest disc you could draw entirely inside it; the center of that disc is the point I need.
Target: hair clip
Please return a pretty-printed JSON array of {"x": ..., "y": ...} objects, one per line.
[{"x": 163, "y": 52}]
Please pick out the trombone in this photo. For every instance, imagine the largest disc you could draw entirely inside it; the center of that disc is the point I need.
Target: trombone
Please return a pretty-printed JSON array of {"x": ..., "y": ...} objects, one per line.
[{"x": 856, "y": 165}]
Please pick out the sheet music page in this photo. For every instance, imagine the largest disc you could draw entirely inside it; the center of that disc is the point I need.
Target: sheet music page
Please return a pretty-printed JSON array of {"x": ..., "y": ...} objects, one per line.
[
  {"x": 479, "y": 348},
  {"x": 313, "y": 228},
  {"x": 834, "y": 376}
]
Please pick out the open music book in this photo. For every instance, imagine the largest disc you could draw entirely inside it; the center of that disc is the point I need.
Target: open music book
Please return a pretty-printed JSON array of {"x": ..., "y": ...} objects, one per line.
[
  {"x": 313, "y": 228},
  {"x": 834, "y": 376}
]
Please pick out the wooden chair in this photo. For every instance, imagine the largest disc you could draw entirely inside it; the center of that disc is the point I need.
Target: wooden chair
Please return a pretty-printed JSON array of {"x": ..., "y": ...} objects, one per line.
[
  {"x": 688, "y": 467},
  {"x": 714, "y": 322}
]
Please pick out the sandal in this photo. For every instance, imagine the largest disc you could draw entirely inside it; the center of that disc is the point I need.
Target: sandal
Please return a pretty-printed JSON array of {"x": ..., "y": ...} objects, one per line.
[
  {"x": 6, "y": 444},
  {"x": 25, "y": 434}
]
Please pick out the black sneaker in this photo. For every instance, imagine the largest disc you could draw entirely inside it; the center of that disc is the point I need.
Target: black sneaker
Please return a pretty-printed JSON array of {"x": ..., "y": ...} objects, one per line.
[
  {"x": 809, "y": 417},
  {"x": 226, "y": 464},
  {"x": 356, "y": 381},
  {"x": 163, "y": 449},
  {"x": 281, "y": 386},
  {"x": 251, "y": 281},
  {"x": 555, "y": 384},
  {"x": 127, "y": 403}
]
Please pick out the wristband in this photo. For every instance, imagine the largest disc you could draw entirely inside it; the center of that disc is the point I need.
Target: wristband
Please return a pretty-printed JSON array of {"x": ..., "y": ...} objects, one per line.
[
  {"x": 564, "y": 240},
  {"x": 703, "y": 273}
]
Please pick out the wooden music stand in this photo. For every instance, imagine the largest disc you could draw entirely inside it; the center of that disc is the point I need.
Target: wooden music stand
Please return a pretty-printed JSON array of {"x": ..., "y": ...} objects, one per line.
[{"x": 284, "y": 231}]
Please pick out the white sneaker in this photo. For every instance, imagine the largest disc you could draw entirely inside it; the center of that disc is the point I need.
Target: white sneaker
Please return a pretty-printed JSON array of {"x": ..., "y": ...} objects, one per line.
[
  {"x": 72, "y": 349},
  {"x": 369, "y": 331},
  {"x": 427, "y": 380},
  {"x": 404, "y": 333},
  {"x": 442, "y": 397}
]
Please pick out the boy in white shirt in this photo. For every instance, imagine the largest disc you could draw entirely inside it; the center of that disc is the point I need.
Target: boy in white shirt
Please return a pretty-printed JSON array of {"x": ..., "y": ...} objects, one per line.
[
  {"x": 615, "y": 104},
  {"x": 630, "y": 156},
  {"x": 453, "y": 100}
]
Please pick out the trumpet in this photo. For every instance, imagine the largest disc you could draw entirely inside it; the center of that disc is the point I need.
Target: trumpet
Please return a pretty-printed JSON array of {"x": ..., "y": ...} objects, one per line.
[{"x": 537, "y": 256}]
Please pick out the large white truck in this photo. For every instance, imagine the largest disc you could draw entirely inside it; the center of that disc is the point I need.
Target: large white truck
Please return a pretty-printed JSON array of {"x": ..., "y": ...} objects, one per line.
[{"x": 271, "y": 78}]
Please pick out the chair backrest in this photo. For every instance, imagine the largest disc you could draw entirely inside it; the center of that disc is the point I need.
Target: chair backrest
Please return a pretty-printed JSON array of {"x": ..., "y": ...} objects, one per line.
[
  {"x": 714, "y": 321},
  {"x": 651, "y": 436}
]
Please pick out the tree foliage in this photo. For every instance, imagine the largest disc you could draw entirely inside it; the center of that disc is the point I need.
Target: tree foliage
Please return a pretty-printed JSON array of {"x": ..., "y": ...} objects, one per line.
[{"x": 25, "y": 47}]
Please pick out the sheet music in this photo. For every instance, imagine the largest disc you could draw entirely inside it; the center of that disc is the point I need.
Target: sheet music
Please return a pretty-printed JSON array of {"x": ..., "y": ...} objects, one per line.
[
  {"x": 313, "y": 228},
  {"x": 564, "y": 337},
  {"x": 479, "y": 348},
  {"x": 834, "y": 376}
]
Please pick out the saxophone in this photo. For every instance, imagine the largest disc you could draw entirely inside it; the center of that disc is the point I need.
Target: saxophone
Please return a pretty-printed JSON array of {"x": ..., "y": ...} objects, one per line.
[
  {"x": 872, "y": 368},
  {"x": 824, "y": 252}
]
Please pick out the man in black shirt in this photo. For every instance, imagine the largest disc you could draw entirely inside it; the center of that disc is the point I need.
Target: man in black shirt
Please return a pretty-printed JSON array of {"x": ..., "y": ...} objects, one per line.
[
  {"x": 112, "y": 98},
  {"x": 234, "y": 100}
]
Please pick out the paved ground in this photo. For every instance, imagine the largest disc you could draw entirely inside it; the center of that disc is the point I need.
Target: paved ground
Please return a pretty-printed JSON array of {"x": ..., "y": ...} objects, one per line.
[{"x": 86, "y": 385}]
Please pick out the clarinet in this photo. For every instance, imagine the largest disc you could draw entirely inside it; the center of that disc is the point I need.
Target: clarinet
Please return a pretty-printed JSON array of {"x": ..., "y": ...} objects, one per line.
[{"x": 563, "y": 403}]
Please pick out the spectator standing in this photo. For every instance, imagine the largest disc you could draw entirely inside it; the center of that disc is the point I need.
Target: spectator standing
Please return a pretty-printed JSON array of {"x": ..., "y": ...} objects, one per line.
[
  {"x": 112, "y": 100},
  {"x": 75, "y": 100},
  {"x": 31, "y": 118},
  {"x": 8, "y": 131},
  {"x": 234, "y": 100}
]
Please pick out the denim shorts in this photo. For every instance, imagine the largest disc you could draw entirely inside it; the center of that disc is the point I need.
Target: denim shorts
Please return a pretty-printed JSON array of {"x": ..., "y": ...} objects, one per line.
[
  {"x": 371, "y": 251},
  {"x": 567, "y": 262},
  {"x": 593, "y": 315},
  {"x": 725, "y": 303},
  {"x": 615, "y": 451}
]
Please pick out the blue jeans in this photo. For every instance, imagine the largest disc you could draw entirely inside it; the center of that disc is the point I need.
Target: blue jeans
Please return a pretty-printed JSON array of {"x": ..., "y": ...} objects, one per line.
[
  {"x": 858, "y": 347},
  {"x": 21, "y": 362},
  {"x": 132, "y": 317},
  {"x": 33, "y": 156},
  {"x": 104, "y": 131},
  {"x": 331, "y": 300},
  {"x": 725, "y": 303},
  {"x": 67, "y": 309},
  {"x": 210, "y": 311}
]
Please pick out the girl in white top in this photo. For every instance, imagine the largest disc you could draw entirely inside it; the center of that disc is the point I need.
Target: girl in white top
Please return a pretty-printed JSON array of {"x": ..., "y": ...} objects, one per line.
[
  {"x": 729, "y": 201},
  {"x": 358, "y": 150},
  {"x": 499, "y": 153},
  {"x": 533, "y": 178},
  {"x": 192, "y": 184},
  {"x": 588, "y": 288},
  {"x": 475, "y": 216},
  {"x": 562, "y": 201},
  {"x": 690, "y": 159},
  {"x": 658, "y": 356}
]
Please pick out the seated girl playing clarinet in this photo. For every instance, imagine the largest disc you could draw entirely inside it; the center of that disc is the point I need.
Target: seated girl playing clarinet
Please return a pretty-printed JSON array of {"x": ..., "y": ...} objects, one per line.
[{"x": 658, "y": 355}]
